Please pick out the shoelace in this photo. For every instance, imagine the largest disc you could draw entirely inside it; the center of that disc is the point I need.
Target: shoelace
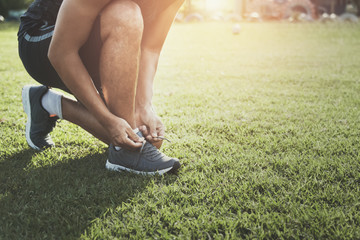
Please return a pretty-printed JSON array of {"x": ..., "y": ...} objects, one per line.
[{"x": 151, "y": 154}]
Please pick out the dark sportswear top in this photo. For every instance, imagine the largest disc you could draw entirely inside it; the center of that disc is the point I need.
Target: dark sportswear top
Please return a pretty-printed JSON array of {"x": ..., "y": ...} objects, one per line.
[
  {"x": 45, "y": 10},
  {"x": 40, "y": 12}
]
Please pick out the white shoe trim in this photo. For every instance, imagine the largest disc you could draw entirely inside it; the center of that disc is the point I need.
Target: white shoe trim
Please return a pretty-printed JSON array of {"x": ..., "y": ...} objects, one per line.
[
  {"x": 114, "y": 167},
  {"x": 27, "y": 110}
]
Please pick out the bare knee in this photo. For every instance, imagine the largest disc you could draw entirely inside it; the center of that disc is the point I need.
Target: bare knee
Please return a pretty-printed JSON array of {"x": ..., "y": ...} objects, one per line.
[{"x": 122, "y": 17}]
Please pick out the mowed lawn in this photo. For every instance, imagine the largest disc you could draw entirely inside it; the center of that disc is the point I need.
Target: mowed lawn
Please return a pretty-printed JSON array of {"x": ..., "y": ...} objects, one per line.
[{"x": 266, "y": 124}]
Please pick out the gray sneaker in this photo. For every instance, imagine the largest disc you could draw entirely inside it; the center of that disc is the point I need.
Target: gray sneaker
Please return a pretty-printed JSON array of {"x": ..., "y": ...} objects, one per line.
[
  {"x": 148, "y": 160},
  {"x": 39, "y": 124}
]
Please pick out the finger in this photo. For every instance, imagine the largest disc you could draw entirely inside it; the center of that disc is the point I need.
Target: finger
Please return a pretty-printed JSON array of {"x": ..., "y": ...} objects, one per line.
[
  {"x": 144, "y": 130},
  {"x": 153, "y": 131},
  {"x": 146, "y": 133},
  {"x": 161, "y": 131},
  {"x": 133, "y": 136},
  {"x": 149, "y": 138},
  {"x": 160, "y": 134},
  {"x": 131, "y": 144}
]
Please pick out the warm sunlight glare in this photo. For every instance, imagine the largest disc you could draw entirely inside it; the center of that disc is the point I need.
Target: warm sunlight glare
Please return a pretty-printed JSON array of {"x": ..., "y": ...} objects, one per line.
[{"x": 213, "y": 5}]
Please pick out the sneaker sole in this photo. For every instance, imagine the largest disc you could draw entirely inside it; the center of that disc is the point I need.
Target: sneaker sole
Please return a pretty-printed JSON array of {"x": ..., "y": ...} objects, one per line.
[
  {"x": 27, "y": 110},
  {"x": 114, "y": 167}
]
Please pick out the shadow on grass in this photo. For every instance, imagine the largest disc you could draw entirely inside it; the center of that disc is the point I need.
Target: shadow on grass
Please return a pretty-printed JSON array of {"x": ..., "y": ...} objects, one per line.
[{"x": 62, "y": 200}]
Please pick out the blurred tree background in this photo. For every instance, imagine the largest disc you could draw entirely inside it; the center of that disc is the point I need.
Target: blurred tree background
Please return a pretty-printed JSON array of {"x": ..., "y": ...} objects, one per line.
[{"x": 6, "y": 5}]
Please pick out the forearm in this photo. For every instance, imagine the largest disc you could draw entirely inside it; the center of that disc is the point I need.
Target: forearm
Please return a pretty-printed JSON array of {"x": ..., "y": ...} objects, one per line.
[
  {"x": 72, "y": 29},
  {"x": 155, "y": 32},
  {"x": 75, "y": 76},
  {"x": 147, "y": 70}
]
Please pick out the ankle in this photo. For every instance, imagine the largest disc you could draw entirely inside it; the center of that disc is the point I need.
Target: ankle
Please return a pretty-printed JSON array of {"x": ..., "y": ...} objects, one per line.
[{"x": 51, "y": 102}]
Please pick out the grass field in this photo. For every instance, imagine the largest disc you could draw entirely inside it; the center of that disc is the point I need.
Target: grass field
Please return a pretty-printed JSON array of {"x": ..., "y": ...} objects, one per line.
[{"x": 266, "y": 125}]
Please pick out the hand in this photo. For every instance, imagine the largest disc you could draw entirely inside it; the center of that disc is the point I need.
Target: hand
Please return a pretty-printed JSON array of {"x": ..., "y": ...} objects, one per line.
[
  {"x": 122, "y": 135},
  {"x": 150, "y": 125}
]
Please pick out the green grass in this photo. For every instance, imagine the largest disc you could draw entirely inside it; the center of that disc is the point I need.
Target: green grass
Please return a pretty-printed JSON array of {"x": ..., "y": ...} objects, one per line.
[{"x": 266, "y": 125}]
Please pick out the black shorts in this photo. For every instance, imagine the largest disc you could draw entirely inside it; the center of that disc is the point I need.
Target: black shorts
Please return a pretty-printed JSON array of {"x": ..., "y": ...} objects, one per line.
[{"x": 34, "y": 40}]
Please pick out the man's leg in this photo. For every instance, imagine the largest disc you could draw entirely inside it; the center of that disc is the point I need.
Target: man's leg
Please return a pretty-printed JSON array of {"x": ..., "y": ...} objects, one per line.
[{"x": 120, "y": 30}]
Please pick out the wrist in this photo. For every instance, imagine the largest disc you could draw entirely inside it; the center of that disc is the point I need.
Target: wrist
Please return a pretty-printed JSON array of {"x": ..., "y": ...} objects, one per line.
[
  {"x": 108, "y": 121},
  {"x": 143, "y": 98},
  {"x": 141, "y": 107}
]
